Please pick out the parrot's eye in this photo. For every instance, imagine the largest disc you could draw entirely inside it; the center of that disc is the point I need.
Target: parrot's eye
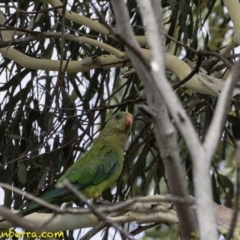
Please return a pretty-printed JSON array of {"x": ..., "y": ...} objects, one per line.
[{"x": 117, "y": 117}]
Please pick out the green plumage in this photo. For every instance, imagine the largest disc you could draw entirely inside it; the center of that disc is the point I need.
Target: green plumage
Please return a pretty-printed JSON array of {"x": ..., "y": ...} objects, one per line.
[{"x": 98, "y": 169}]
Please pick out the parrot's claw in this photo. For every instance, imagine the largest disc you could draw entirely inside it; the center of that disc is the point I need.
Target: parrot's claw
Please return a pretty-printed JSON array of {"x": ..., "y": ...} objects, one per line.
[{"x": 99, "y": 201}]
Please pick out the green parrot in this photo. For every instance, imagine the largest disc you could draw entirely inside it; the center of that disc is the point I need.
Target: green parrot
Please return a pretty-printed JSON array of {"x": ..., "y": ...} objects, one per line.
[{"x": 96, "y": 170}]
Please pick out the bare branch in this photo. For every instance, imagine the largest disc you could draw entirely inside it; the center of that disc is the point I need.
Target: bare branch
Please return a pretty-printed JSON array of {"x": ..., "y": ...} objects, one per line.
[
  {"x": 164, "y": 130},
  {"x": 142, "y": 210}
]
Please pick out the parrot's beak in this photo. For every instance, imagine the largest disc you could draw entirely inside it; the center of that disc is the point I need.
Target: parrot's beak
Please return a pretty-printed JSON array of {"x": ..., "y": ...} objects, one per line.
[{"x": 129, "y": 121}]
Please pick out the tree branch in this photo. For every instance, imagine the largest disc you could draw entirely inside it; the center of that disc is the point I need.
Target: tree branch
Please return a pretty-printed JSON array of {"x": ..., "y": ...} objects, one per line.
[
  {"x": 202, "y": 182},
  {"x": 164, "y": 130}
]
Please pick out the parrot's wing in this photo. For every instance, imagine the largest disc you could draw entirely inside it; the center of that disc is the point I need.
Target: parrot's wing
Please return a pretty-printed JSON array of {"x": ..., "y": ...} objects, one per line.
[
  {"x": 89, "y": 170},
  {"x": 97, "y": 165}
]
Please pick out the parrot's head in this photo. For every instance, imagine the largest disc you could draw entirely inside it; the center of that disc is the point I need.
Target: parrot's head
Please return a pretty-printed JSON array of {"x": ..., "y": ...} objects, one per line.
[{"x": 119, "y": 125}]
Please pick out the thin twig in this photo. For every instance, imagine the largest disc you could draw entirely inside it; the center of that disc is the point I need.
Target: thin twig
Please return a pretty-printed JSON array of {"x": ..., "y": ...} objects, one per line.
[
  {"x": 140, "y": 228},
  {"x": 94, "y": 231},
  {"x": 122, "y": 38},
  {"x": 202, "y": 53},
  {"x": 31, "y": 197},
  {"x": 191, "y": 74},
  {"x": 147, "y": 110}
]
